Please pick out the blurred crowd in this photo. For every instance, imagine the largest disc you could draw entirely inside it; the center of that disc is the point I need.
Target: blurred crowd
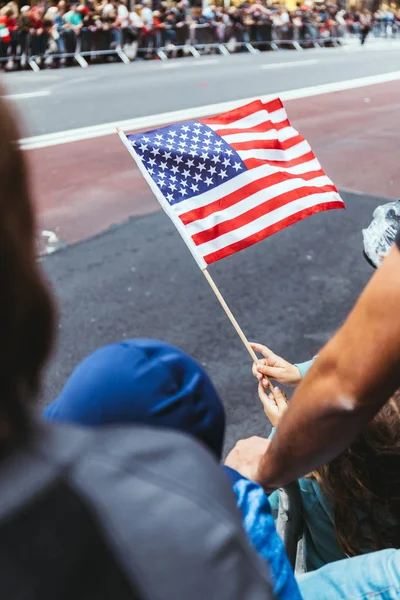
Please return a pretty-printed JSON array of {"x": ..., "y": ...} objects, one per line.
[{"x": 67, "y": 28}]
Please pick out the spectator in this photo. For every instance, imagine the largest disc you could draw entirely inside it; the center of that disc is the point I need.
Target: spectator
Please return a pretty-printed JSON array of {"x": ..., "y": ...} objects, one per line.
[
  {"x": 24, "y": 27},
  {"x": 147, "y": 15},
  {"x": 365, "y": 25},
  {"x": 151, "y": 383},
  {"x": 51, "y": 29},
  {"x": 73, "y": 24},
  {"x": 350, "y": 505},
  {"x": 116, "y": 513},
  {"x": 58, "y": 21},
  {"x": 73, "y": 18},
  {"x": 122, "y": 21},
  {"x": 38, "y": 36}
]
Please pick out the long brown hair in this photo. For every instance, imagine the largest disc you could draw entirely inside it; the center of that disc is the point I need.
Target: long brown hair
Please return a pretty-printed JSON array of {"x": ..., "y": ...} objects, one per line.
[
  {"x": 26, "y": 311},
  {"x": 364, "y": 485}
]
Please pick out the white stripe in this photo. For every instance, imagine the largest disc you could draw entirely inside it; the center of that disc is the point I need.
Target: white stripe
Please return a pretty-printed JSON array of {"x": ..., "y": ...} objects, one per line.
[
  {"x": 289, "y": 154},
  {"x": 241, "y": 180},
  {"x": 273, "y": 134},
  {"x": 294, "y": 63},
  {"x": 27, "y": 95},
  {"x": 141, "y": 123},
  {"x": 257, "y": 118},
  {"x": 254, "y": 200},
  {"x": 266, "y": 220}
]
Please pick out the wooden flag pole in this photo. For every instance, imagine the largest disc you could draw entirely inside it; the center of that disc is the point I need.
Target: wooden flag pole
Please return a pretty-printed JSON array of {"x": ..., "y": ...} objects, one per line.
[{"x": 233, "y": 320}]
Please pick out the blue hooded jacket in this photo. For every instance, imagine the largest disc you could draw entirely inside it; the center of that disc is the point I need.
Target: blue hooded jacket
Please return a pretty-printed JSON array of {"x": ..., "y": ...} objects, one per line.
[{"x": 150, "y": 382}]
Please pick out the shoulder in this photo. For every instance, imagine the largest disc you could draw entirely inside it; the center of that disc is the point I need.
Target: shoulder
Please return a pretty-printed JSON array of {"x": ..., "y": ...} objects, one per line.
[{"x": 160, "y": 494}]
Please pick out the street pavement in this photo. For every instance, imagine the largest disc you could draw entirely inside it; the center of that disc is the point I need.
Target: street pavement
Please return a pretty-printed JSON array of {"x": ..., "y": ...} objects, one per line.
[{"x": 125, "y": 272}]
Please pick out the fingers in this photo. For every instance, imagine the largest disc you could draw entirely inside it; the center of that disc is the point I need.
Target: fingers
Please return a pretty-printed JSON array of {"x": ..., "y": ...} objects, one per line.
[
  {"x": 255, "y": 369},
  {"x": 265, "y": 399},
  {"x": 266, "y": 352},
  {"x": 280, "y": 398},
  {"x": 268, "y": 372}
]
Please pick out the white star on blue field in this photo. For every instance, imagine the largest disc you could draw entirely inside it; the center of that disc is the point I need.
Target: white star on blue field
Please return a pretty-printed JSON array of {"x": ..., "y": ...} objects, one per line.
[{"x": 186, "y": 159}]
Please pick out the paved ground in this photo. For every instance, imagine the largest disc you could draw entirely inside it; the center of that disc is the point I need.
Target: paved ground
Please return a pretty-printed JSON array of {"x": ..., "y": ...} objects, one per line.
[{"x": 137, "y": 279}]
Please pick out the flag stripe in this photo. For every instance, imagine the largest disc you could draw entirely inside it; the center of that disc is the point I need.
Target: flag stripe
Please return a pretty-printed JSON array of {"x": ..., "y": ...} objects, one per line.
[
  {"x": 248, "y": 109},
  {"x": 296, "y": 151},
  {"x": 294, "y": 192},
  {"x": 266, "y": 220},
  {"x": 252, "y": 163},
  {"x": 270, "y": 230},
  {"x": 259, "y": 185},
  {"x": 253, "y": 120},
  {"x": 245, "y": 137},
  {"x": 260, "y": 170},
  {"x": 262, "y": 127},
  {"x": 269, "y": 144}
]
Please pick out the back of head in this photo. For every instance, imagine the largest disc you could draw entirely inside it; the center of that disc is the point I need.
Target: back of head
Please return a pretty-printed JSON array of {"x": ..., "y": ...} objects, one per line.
[
  {"x": 26, "y": 316},
  {"x": 143, "y": 381},
  {"x": 364, "y": 483}
]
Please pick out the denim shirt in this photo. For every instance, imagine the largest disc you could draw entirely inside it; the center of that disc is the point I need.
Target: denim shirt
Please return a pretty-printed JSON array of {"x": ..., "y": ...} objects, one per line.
[{"x": 259, "y": 526}]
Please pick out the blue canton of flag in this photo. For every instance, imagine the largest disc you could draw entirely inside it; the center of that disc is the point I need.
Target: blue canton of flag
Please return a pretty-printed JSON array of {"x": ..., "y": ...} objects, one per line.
[{"x": 186, "y": 159}]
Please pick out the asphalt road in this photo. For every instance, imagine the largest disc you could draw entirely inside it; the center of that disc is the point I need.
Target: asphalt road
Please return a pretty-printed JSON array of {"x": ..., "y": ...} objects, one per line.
[
  {"x": 52, "y": 101},
  {"x": 290, "y": 291}
]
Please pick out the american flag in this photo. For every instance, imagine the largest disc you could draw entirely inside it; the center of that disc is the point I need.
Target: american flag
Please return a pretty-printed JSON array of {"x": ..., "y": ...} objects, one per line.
[{"x": 230, "y": 181}]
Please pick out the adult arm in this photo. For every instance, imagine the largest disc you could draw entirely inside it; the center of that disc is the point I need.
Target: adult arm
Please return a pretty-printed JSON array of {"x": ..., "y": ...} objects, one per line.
[{"x": 351, "y": 379}]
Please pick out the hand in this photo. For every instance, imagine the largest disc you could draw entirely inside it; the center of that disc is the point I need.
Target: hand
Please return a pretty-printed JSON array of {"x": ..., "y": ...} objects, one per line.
[
  {"x": 246, "y": 457},
  {"x": 275, "y": 367},
  {"x": 275, "y": 405}
]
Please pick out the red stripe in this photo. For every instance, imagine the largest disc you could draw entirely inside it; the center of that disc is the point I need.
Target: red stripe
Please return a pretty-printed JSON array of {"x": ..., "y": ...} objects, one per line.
[
  {"x": 244, "y": 111},
  {"x": 258, "y": 211},
  {"x": 268, "y": 144},
  {"x": 273, "y": 105},
  {"x": 252, "y": 163},
  {"x": 262, "y": 128},
  {"x": 244, "y": 192},
  {"x": 235, "y": 114},
  {"x": 261, "y": 235}
]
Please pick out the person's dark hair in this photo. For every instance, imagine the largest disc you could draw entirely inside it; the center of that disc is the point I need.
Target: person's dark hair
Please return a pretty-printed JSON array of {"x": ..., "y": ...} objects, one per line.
[
  {"x": 26, "y": 310},
  {"x": 364, "y": 485}
]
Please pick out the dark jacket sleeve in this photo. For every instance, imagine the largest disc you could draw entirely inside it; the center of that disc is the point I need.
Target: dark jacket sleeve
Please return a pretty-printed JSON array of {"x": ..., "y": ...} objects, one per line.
[{"x": 170, "y": 516}]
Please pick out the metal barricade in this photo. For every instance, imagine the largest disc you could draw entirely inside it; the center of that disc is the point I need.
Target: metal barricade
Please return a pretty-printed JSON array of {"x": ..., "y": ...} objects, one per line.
[{"x": 165, "y": 42}]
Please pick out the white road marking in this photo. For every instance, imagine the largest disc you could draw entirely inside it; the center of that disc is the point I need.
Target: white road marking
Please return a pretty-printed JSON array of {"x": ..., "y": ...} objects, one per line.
[
  {"x": 205, "y": 61},
  {"x": 27, "y": 95},
  {"x": 172, "y": 65},
  {"x": 94, "y": 131},
  {"x": 292, "y": 63},
  {"x": 200, "y": 62}
]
